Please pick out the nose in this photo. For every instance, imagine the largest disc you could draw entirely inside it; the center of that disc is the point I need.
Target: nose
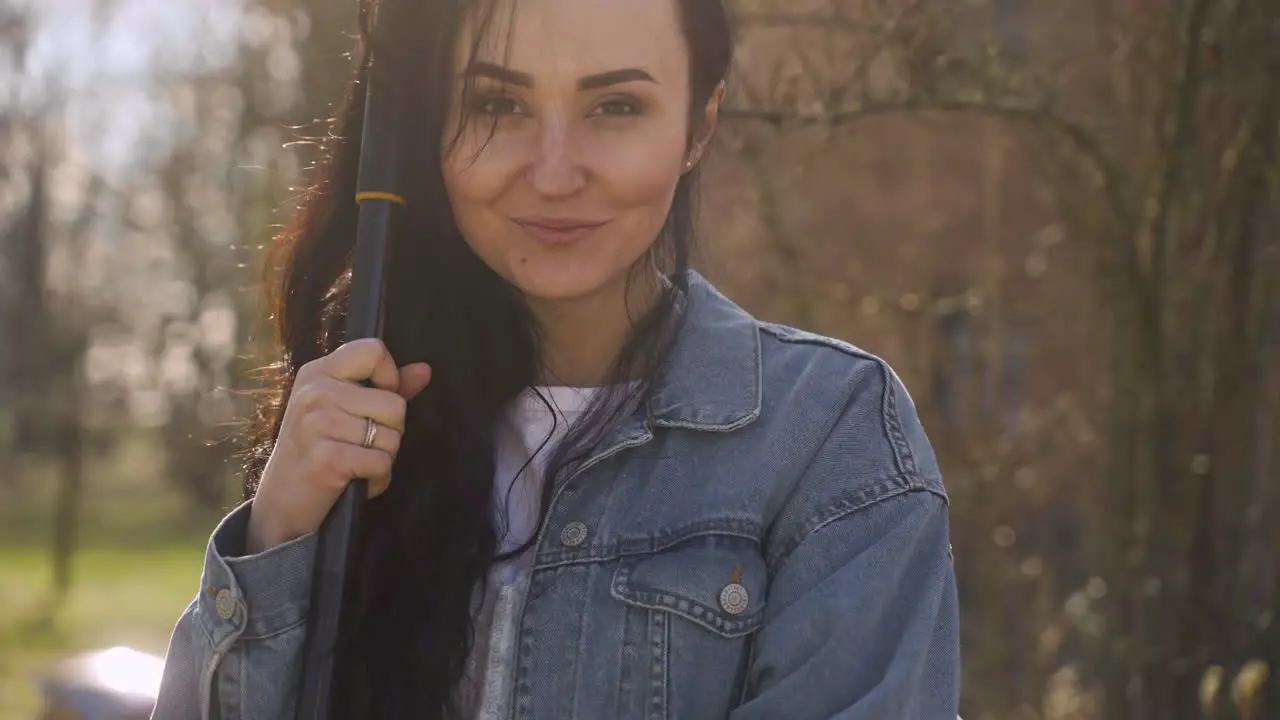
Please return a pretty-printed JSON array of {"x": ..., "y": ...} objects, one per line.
[{"x": 556, "y": 171}]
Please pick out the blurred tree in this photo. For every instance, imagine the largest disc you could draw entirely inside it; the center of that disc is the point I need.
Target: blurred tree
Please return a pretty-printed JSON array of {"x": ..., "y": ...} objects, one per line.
[
  {"x": 1154, "y": 129},
  {"x": 1179, "y": 137},
  {"x": 48, "y": 331},
  {"x": 20, "y": 253}
]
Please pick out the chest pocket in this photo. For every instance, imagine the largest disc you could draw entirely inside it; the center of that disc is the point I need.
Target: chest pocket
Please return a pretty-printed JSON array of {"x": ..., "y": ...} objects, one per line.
[
  {"x": 691, "y": 609},
  {"x": 717, "y": 582}
]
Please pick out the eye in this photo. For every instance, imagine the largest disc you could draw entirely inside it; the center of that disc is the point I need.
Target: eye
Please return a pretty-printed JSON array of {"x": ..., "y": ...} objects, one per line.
[
  {"x": 496, "y": 105},
  {"x": 618, "y": 107}
]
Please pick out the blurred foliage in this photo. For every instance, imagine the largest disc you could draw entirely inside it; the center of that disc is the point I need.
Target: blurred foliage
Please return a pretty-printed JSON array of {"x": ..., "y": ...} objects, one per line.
[{"x": 1055, "y": 219}]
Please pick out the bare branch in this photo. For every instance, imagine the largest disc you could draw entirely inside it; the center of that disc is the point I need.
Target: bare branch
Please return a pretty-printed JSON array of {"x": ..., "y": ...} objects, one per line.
[
  {"x": 1036, "y": 116},
  {"x": 1188, "y": 91},
  {"x": 825, "y": 21}
]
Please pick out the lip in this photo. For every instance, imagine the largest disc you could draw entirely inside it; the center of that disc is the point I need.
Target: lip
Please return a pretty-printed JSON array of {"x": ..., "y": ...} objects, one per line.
[{"x": 558, "y": 230}]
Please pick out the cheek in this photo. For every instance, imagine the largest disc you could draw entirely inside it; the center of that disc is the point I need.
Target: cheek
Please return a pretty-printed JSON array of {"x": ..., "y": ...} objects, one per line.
[
  {"x": 474, "y": 187},
  {"x": 639, "y": 177}
]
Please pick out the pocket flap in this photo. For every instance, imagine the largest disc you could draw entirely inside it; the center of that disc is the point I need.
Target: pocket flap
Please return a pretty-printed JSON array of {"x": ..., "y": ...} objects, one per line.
[{"x": 720, "y": 586}]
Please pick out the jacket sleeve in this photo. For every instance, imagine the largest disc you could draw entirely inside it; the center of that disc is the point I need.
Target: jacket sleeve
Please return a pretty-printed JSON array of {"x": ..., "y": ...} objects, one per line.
[
  {"x": 235, "y": 653},
  {"x": 861, "y": 621}
]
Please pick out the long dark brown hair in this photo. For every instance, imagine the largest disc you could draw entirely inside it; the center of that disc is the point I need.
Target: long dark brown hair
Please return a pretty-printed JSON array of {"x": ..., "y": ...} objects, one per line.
[{"x": 431, "y": 537}]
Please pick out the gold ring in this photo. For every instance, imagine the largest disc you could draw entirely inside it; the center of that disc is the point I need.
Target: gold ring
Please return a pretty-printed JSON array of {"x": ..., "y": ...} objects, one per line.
[{"x": 370, "y": 432}]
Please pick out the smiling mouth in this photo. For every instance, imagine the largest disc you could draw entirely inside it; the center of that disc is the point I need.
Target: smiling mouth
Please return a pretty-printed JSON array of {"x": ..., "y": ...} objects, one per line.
[{"x": 558, "y": 231}]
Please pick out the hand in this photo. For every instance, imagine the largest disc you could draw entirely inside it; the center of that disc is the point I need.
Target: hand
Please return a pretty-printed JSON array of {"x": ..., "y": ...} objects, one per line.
[{"x": 319, "y": 448}]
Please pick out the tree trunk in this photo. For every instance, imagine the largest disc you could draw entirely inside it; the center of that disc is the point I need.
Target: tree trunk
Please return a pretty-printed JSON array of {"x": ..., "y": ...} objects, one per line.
[{"x": 70, "y": 451}]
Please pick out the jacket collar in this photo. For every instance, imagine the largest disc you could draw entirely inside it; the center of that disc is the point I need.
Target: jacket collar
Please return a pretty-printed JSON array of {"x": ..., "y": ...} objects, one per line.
[{"x": 711, "y": 378}]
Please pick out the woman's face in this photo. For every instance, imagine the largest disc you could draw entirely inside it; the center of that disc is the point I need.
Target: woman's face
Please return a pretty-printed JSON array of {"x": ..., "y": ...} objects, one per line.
[{"x": 564, "y": 175}]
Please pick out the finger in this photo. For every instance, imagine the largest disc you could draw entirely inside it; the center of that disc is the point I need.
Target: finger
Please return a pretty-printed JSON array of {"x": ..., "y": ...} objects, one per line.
[
  {"x": 334, "y": 424},
  {"x": 377, "y": 485},
  {"x": 386, "y": 408},
  {"x": 413, "y": 380},
  {"x": 352, "y": 461},
  {"x": 360, "y": 360},
  {"x": 385, "y": 375}
]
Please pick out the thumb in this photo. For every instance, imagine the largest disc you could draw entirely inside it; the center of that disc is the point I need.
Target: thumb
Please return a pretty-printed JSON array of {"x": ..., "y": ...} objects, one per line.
[{"x": 413, "y": 380}]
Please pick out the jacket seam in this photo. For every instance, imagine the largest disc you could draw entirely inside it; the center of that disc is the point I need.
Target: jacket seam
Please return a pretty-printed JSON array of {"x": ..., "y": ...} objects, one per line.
[
  {"x": 197, "y": 618},
  {"x": 623, "y": 549},
  {"x": 866, "y": 496},
  {"x": 274, "y": 620},
  {"x": 904, "y": 458},
  {"x": 246, "y": 636},
  {"x": 804, "y": 338}
]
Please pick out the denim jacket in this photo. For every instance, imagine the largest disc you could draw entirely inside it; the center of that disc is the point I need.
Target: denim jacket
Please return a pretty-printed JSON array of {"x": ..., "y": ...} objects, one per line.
[{"x": 766, "y": 538}]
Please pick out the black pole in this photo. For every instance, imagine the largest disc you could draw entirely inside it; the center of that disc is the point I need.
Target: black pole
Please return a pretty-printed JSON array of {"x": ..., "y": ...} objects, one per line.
[{"x": 377, "y": 189}]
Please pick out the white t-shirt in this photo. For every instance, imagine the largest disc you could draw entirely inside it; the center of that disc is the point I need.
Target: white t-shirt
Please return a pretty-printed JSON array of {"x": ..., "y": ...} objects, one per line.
[
  {"x": 534, "y": 425},
  {"x": 525, "y": 439}
]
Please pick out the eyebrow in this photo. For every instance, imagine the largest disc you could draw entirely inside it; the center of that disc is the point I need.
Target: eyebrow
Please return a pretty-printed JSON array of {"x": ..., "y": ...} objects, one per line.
[{"x": 507, "y": 76}]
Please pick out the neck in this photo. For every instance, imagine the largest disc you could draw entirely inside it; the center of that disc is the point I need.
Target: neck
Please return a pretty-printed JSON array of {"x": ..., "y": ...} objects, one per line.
[{"x": 582, "y": 337}]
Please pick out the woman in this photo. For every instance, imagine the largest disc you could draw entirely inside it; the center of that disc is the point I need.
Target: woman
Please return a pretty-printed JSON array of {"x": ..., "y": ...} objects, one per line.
[{"x": 615, "y": 494}]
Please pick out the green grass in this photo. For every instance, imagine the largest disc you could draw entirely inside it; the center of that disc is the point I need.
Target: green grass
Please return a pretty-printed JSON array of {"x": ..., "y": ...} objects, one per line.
[
  {"x": 129, "y": 596},
  {"x": 141, "y": 549}
]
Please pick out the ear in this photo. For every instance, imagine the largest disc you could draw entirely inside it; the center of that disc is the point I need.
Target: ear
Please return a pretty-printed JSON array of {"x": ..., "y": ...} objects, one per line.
[{"x": 706, "y": 129}]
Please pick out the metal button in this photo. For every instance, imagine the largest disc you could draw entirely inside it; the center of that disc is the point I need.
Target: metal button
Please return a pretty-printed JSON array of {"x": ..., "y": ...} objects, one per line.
[
  {"x": 573, "y": 534},
  {"x": 225, "y": 603},
  {"x": 734, "y": 599}
]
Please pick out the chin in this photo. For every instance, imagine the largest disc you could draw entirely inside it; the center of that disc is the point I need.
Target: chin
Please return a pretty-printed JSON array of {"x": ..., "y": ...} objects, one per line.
[{"x": 561, "y": 286}]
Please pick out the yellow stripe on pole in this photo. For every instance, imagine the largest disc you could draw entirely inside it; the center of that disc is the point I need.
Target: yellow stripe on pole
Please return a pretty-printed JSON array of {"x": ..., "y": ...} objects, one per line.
[{"x": 380, "y": 195}]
